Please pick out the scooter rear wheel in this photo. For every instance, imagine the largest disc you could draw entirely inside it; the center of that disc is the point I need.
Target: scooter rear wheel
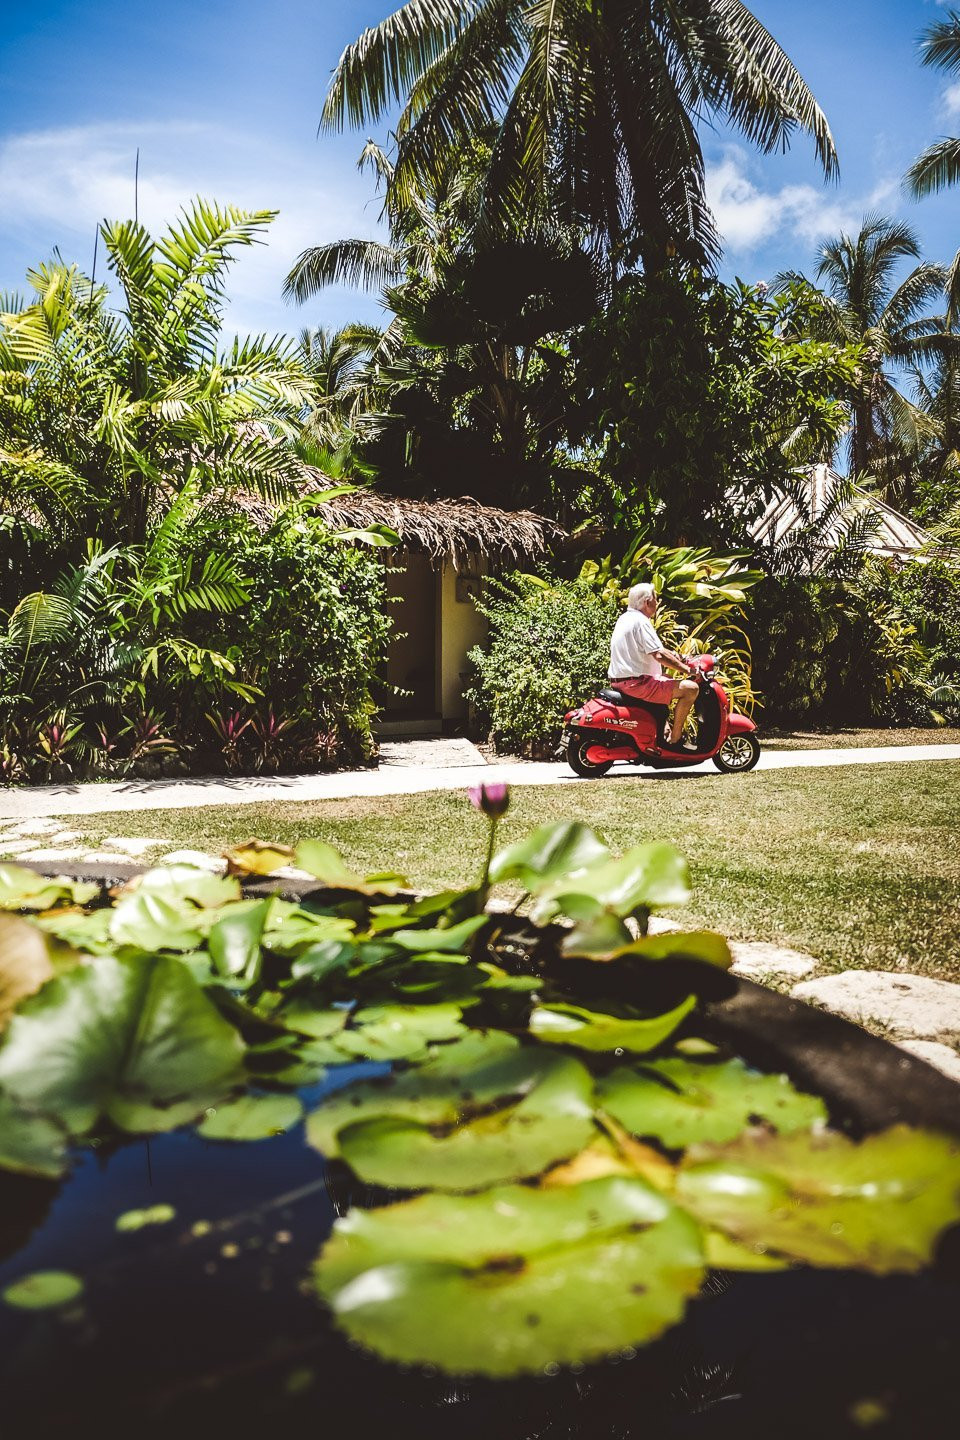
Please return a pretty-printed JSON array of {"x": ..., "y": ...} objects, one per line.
[
  {"x": 737, "y": 754},
  {"x": 577, "y": 747}
]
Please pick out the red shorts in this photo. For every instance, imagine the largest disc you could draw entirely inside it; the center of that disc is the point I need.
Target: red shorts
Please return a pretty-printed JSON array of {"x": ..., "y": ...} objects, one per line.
[{"x": 655, "y": 689}]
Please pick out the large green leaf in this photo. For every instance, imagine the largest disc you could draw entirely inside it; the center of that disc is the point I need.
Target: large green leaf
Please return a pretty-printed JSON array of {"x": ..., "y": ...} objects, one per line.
[
  {"x": 23, "y": 889},
  {"x": 548, "y": 853},
  {"x": 134, "y": 1041},
  {"x": 646, "y": 876},
  {"x": 876, "y": 1205},
  {"x": 683, "y": 1102},
  {"x": 514, "y": 1280},
  {"x": 596, "y": 1030},
  {"x": 552, "y": 1121}
]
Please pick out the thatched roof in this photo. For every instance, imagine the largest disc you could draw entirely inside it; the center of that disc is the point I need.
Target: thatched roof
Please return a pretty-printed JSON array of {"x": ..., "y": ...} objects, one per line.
[{"x": 455, "y": 531}]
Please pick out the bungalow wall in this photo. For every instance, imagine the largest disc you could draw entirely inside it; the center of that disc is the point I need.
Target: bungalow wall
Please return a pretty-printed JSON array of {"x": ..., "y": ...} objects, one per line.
[{"x": 436, "y": 624}]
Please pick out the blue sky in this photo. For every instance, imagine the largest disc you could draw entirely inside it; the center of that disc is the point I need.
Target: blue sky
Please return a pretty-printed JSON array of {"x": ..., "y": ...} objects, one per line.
[{"x": 223, "y": 98}]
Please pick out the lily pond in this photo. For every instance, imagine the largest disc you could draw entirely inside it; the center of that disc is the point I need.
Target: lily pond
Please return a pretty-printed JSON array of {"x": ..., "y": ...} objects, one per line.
[{"x": 369, "y": 1158}]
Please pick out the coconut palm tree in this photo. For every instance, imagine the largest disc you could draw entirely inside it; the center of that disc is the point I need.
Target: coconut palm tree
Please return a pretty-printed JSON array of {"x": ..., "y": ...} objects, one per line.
[
  {"x": 861, "y": 304},
  {"x": 593, "y": 106},
  {"x": 939, "y": 165}
]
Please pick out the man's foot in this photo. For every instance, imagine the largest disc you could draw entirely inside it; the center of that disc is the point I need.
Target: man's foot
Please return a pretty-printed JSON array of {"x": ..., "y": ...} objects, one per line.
[{"x": 680, "y": 744}]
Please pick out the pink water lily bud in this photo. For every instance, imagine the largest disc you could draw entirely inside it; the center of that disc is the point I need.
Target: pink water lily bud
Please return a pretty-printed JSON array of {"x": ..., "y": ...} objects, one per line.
[{"x": 493, "y": 799}]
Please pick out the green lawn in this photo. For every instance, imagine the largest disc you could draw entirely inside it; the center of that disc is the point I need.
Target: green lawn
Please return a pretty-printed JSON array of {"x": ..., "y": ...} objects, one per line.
[
  {"x": 860, "y": 867},
  {"x": 845, "y": 739}
]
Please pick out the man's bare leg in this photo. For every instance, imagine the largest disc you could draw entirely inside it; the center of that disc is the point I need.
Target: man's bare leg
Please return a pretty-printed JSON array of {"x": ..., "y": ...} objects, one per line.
[{"x": 686, "y": 696}]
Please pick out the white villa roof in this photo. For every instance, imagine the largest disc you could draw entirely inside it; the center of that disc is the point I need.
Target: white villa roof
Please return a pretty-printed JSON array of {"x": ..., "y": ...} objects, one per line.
[{"x": 896, "y": 535}]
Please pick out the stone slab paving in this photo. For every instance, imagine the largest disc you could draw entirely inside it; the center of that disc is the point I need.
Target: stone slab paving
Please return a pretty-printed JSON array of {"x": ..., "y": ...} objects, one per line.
[
  {"x": 941, "y": 1057},
  {"x": 435, "y": 754},
  {"x": 910, "y": 1007},
  {"x": 396, "y": 778},
  {"x": 758, "y": 960}
]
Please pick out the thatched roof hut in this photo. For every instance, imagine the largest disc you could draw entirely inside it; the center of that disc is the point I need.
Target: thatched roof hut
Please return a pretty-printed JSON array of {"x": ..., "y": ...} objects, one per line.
[{"x": 455, "y": 532}]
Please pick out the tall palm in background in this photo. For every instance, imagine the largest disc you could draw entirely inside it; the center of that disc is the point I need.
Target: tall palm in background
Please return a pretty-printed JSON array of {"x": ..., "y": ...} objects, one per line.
[
  {"x": 862, "y": 304},
  {"x": 939, "y": 165},
  {"x": 593, "y": 107}
]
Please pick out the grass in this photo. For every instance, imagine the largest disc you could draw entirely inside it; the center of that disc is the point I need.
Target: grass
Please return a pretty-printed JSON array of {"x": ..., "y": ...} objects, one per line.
[
  {"x": 848, "y": 738},
  {"x": 859, "y": 867}
]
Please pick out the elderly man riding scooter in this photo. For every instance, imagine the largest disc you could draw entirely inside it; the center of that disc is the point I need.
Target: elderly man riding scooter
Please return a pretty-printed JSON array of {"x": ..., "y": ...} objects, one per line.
[{"x": 637, "y": 658}]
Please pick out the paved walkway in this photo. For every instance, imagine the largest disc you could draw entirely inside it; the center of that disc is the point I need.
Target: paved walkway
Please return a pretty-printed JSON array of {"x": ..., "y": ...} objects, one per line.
[{"x": 453, "y": 764}]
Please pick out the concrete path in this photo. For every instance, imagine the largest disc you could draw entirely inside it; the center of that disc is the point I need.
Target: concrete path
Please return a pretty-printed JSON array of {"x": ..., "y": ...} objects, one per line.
[{"x": 395, "y": 777}]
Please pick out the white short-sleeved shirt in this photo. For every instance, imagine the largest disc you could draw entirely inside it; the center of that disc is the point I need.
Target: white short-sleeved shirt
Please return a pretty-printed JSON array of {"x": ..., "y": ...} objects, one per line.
[{"x": 631, "y": 647}]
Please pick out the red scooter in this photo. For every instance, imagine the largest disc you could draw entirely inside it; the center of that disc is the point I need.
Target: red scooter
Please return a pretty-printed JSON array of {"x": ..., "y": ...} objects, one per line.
[{"x": 616, "y": 728}]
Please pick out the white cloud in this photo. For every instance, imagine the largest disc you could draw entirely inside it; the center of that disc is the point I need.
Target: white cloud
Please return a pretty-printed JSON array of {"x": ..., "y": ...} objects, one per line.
[
  {"x": 748, "y": 217},
  {"x": 56, "y": 185},
  {"x": 951, "y": 100}
]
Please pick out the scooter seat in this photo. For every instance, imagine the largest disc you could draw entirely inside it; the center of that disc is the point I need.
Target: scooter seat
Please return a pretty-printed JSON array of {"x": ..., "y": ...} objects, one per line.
[{"x": 619, "y": 697}]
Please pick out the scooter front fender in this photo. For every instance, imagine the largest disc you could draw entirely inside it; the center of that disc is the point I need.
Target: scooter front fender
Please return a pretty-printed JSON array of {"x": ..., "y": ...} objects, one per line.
[{"x": 740, "y": 724}]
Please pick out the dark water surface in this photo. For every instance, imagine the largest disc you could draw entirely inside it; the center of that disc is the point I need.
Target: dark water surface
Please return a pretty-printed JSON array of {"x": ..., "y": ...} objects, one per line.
[{"x": 207, "y": 1326}]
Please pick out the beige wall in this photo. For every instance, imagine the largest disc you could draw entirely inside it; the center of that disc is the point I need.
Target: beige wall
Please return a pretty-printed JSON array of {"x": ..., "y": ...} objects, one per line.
[{"x": 461, "y": 627}]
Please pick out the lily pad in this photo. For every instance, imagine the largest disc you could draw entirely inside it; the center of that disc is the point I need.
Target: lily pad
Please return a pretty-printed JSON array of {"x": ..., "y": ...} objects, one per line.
[
  {"x": 454, "y": 938},
  {"x": 458, "y": 1080},
  {"x": 257, "y": 857},
  {"x": 397, "y": 1032},
  {"x": 327, "y": 865},
  {"x": 135, "y": 1041},
  {"x": 515, "y": 1279},
  {"x": 234, "y": 941},
  {"x": 43, "y": 1290},
  {"x": 25, "y": 963},
  {"x": 598, "y": 1031},
  {"x": 189, "y": 885},
  {"x": 23, "y": 889},
  {"x": 878, "y": 1204},
  {"x": 251, "y": 1117},
  {"x": 30, "y": 1144},
  {"x": 132, "y": 1220},
  {"x": 592, "y": 940},
  {"x": 552, "y": 1121},
  {"x": 682, "y": 1102},
  {"x": 548, "y": 853},
  {"x": 151, "y": 923},
  {"x": 309, "y": 1017},
  {"x": 646, "y": 876},
  {"x": 291, "y": 931}
]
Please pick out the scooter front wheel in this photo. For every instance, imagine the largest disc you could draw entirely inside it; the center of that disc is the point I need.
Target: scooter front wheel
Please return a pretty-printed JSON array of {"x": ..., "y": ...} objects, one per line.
[
  {"x": 737, "y": 754},
  {"x": 577, "y": 747}
]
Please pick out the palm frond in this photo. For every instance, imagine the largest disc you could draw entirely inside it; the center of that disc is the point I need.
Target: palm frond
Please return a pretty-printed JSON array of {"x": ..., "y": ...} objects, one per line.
[
  {"x": 382, "y": 66},
  {"x": 367, "y": 264},
  {"x": 936, "y": 169}
]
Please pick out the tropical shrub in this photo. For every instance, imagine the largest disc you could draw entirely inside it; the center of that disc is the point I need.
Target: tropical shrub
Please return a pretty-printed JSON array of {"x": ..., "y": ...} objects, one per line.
[
  {"x": 314, "y": 635},
  {"x": 581, "y": 1151},
  {"x": 548, "y": 650},
  {"x": 838, "y": 652}
]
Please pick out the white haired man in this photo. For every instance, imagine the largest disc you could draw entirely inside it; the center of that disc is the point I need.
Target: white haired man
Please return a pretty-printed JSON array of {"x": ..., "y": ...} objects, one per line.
[{"x": 637, "y": 658}]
